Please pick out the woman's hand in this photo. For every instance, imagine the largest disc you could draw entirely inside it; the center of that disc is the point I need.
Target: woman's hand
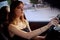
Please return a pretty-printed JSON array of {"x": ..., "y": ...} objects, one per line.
[{"x": 54, "y": 21}]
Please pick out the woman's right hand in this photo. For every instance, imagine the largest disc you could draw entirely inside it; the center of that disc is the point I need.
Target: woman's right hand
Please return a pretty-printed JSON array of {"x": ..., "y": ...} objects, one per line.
[{"x": 54, "y": 21}]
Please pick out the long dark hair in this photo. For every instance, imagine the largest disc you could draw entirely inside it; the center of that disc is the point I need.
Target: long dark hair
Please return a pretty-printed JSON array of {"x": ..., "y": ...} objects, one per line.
[{"x": 13, "y": 5}]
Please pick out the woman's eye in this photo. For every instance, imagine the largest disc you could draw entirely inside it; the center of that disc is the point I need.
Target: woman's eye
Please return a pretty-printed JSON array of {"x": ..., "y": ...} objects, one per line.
[{"x": 20, "y": 8}]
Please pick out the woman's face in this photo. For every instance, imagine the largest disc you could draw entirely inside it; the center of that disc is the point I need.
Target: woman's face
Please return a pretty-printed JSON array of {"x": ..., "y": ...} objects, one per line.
[{"x": 19, "y": 10}]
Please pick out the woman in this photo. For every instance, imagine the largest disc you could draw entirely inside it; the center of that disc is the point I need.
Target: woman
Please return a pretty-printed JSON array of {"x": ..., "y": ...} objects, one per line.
[{"x": 18, "y": 25}]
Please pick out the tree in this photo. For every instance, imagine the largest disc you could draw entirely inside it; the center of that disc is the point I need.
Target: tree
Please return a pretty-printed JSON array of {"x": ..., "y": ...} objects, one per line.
[
  {"x": 34, "y": 1},
  {"x": 2, "y": 0}
]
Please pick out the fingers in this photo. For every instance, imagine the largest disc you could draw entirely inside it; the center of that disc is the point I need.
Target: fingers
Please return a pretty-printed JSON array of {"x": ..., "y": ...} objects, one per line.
[{"x": 54, "y": 21}]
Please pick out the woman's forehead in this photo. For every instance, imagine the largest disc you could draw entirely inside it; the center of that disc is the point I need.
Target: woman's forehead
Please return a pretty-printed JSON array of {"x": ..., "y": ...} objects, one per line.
[{"x": 21, "y": 5}]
